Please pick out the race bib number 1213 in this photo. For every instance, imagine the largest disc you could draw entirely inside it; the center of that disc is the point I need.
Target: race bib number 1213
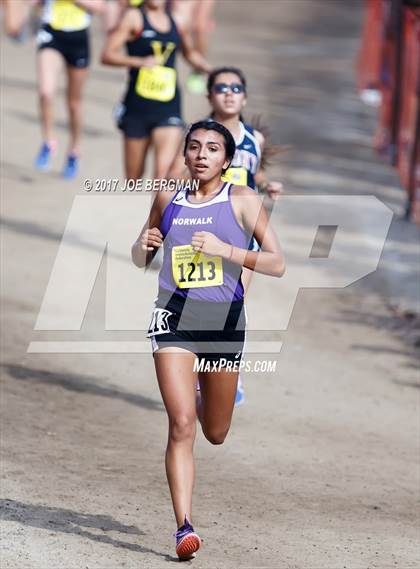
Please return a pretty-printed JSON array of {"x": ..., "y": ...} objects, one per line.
[{"x": 192, "y": 269}]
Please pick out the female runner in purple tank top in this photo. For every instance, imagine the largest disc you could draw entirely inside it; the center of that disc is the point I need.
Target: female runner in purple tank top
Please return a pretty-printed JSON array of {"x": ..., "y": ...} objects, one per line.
[{"x": 198, "y": 324}]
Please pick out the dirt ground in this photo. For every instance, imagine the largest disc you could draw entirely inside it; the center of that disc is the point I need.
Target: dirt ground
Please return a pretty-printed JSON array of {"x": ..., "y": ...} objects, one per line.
[{"x": 320, "y": 468}]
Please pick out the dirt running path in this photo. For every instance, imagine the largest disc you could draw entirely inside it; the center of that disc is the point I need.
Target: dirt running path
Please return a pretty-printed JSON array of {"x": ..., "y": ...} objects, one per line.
[{"x": 319, "y": 470}]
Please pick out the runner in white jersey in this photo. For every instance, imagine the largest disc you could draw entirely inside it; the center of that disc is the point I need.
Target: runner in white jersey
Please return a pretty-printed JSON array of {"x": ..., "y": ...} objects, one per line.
[{"x": 63, "y": 41}]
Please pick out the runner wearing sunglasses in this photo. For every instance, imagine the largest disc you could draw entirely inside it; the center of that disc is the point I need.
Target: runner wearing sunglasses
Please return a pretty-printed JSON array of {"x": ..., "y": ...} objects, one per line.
[
  {"x": 63, "y": 39},
  {"x": 227, "y": 95},
  {"x": 199, "y": 313},
  {"x": 150, "y": 114}
]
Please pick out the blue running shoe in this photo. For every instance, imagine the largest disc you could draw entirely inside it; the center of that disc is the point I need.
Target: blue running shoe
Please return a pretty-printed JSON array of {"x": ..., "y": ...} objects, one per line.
[
  {"x": 71, "y": 169},
  {"x": 240, "y": 393},
  {"x": 187, "y": 541},
  {"x": 43, "y": 160}
]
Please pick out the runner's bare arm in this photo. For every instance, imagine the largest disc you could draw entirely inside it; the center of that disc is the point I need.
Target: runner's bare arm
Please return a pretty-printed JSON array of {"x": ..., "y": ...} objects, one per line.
[
  {"x": 129, "y": 27},
  {"x": 93, "y": 6},
  {"x": 194, "y": 57},
  {"x": 260, "y": 176},
  {"x": 272, "y": 188},
  {"x": 151, "y": 238},
  {"x": 251, "y": 215},
  {"x": 15, "y": 15}
]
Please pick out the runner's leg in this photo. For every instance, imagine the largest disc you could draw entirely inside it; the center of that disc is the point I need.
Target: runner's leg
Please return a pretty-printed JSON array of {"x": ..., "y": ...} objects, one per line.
[
  {"x": 166, "y": 141},
  {"x": 202, "y": 21},
  {"x": 218, "y": 391},
  {"x": 76, "y": 79},
  {"x": 135, "y": 150},
  {"x": 49, "y": 64},
  {"x": 177, "y": 383}
]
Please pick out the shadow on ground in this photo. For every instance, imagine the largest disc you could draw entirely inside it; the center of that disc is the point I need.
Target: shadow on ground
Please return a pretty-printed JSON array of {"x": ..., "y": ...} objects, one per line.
[
  {"x": 34, "y": 229},
  {"x": 68, "y": 521},
  {"x": 405, "y": 325},
  {"x": 80, "y": 384}
]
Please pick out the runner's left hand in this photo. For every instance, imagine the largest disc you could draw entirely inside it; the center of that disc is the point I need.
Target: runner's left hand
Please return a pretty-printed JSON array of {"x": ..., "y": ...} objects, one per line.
[{"x": 209, "y": 244}]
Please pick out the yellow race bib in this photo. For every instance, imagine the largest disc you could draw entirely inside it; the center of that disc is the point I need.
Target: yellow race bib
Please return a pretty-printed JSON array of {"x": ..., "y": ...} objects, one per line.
[
  {"x": 67, "y": 16},
  {"x": 192, "y": 269},
  {"x": 237, "y": 176},
  {"x": 157, "y": 83}
]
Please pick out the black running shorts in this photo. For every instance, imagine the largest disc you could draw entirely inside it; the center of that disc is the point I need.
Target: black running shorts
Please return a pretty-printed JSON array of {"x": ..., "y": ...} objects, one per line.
[
  {"x": 73, "y": 46},
  {"x": 137, "y": 125},
  {"x": 214, "y": 331}
]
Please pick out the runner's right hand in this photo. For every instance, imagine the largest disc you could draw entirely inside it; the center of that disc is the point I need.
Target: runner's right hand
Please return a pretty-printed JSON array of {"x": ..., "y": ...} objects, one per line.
[
  {"x": 147, "y": 61},
  {"x": 151, "y": 239}
]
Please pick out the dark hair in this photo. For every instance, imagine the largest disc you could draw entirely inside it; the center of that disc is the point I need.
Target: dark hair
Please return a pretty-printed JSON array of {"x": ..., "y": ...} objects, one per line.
[
  {"x": 219, "y": 70},
  {"x": 230, "y": 144}
]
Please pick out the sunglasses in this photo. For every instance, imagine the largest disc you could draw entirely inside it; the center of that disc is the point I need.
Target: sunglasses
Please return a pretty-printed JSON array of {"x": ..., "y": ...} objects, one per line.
[{"x": 225, "y": 88}]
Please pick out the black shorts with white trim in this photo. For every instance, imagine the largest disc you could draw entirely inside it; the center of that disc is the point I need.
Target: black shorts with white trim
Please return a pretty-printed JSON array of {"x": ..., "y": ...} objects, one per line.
[{"x": 213, "y": 331}]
